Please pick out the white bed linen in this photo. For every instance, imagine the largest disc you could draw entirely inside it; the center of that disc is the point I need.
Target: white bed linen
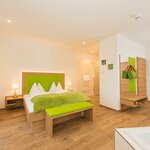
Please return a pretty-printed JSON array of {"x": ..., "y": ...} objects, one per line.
[{"x": 28, "y": 103}]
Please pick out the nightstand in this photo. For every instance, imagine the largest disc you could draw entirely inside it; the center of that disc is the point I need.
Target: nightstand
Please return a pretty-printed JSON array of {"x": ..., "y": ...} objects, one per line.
[{"x": 14, "y": 102}]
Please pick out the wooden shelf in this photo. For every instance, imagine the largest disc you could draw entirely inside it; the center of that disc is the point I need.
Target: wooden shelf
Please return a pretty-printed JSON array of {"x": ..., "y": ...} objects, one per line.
[{"x": 133, "y": 100}]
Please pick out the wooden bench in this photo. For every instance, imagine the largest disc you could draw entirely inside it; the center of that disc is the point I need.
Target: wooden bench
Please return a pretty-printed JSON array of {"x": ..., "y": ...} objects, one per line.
[
  {"x": 58, "y": 113},
  {"x": 133, "y": 100}
]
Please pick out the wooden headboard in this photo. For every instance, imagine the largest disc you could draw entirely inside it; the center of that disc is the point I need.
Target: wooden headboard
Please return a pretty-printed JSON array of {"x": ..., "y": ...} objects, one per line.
[{"x": 45, "y": 79}]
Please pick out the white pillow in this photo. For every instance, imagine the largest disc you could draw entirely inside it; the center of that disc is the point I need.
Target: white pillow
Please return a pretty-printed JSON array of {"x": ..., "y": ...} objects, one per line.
[
  {"x": 34, "y": 89},
  {"x": 53, "y": 88},
  {"x": 40, "y": 87},
  {"x": 59, "y": 88}
]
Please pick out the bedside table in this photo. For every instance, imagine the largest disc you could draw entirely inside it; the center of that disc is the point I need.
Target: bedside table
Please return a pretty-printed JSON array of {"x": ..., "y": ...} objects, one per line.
[{"x": 14, "y": 102}]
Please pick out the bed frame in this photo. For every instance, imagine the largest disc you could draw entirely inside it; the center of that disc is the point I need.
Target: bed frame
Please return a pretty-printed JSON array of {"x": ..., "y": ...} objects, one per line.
[{"x": 37, "y": 120}]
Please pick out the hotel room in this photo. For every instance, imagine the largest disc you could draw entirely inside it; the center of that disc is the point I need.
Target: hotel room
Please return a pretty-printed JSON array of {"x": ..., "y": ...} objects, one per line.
[{"x": 74, "y": 75}]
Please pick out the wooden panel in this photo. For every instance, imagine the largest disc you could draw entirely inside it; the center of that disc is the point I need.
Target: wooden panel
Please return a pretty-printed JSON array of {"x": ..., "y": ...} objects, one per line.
[
  {"x": 134, "y": 98},
  {"x": 141, "y": 79},
  {"x": 124, "y": 83},
  {"x": 89, "y": 114},
  {"x": 32, "y": 117},
  {"x": 66, "y": 118},
  {"x": 49, "y": 125}
]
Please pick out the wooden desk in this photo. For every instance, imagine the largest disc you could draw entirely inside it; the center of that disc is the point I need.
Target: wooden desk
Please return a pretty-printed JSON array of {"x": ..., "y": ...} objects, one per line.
[{"x": 133, "y": 100}]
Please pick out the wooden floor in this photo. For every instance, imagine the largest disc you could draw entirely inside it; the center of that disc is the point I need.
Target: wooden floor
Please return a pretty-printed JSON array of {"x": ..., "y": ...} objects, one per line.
[{"x": 78, "y": 134}]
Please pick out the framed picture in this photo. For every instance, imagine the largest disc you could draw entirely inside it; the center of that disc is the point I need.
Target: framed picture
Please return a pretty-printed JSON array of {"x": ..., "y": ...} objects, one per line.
[
  {"x": 104, "y": 62},
  {"x": 110, "y": 66}
]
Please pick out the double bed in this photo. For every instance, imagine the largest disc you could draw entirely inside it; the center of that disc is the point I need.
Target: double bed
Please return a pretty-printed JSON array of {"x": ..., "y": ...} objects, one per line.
[{"x": 37, "y": 119}]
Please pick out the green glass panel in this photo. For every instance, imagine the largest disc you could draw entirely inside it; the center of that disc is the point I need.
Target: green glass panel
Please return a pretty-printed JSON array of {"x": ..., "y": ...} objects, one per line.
[{"x": 132, "y": 83}]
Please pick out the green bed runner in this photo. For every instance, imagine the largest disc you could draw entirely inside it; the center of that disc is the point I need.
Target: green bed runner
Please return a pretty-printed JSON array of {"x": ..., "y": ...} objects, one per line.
[
  {"x": 43, "y": 102},
  {"x": 60, "y": 110}
]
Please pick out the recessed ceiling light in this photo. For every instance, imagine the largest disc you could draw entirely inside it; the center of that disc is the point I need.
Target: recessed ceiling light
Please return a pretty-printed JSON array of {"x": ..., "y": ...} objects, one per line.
[
  {"x": 83, "y": 42},
  {"x": 9, "y": 21},
  {"x": 92, "y": 51}
]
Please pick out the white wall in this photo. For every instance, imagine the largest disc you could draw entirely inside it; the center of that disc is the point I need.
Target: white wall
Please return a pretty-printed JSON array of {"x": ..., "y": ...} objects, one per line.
[
  {"x": 128, "y": 47},
  {"x": 20, "y": 54},
  {"x": 109, "y": 79},
  {"x": 110, "y": 49}
]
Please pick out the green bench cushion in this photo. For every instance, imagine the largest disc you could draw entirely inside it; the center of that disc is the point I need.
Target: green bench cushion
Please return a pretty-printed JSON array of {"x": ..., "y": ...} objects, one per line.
[{"x": 60, "y": 110}]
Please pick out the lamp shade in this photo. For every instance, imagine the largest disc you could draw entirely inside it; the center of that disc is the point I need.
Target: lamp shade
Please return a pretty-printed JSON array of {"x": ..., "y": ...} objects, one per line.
[
  {"x": 69, "y": 83},
  {"x": 15, "y": 86}
]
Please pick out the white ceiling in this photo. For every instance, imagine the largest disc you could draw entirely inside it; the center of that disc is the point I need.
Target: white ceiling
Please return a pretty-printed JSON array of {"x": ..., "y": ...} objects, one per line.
[{"x": 73, "y": 21}]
